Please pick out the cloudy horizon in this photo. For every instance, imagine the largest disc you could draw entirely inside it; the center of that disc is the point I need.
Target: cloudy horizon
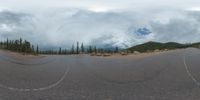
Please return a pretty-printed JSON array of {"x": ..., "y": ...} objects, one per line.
[{"x": 106, "y": 22}]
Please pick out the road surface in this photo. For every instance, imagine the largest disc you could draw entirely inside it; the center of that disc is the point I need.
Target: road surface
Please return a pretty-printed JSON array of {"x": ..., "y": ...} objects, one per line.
[{"x": 173, "y": 75}]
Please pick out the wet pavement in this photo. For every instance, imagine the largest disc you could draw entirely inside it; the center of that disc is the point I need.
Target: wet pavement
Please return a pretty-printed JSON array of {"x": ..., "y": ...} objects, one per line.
[{"x": 168, "y": 76}]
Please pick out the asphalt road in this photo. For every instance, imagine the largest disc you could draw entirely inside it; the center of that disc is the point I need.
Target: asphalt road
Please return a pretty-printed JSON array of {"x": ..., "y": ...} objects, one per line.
[{"x": 168, "y": 76}]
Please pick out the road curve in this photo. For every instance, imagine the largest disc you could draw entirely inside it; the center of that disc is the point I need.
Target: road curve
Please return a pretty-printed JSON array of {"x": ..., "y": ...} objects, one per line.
[{"x": 174, "y": 75}]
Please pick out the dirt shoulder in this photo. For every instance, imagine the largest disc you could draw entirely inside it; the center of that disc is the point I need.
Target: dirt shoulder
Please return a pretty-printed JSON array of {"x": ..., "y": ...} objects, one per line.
[
  {"x": 20, "y": 55},
  {"x": 137, "y": 56}
]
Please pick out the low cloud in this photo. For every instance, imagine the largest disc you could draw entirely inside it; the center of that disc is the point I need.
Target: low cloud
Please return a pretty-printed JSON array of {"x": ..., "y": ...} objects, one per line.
[
  {"x": 63, "y": 27},
  {"x": 15, "y": 25},
  {"x": 184, "y": 29}
]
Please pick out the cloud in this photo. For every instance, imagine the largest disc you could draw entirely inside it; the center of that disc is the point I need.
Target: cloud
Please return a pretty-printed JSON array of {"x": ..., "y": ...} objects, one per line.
[
  {"x": 62, "y": 27},
  {"x": 65, "y": 27},
  {"x": 13, "y": 24},
  {"x": 185, "y": 29}
]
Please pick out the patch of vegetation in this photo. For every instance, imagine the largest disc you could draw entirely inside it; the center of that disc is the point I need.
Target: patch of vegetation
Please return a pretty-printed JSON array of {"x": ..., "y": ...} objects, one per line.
[
  {"x": 151, "y": 46},
  {"x": 21, "y": 46},
  {"x": 196, "y": 45}
]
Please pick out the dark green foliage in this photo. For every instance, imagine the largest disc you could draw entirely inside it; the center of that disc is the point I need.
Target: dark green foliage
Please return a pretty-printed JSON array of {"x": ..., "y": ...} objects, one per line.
[
  {"x": 116, "y": 50},
  {"x": 95, "y": 49},
  {"x": 32, "y": 49},
  {"x": 72, "y": 50},
  {"x": 25, "y": 47},
  {"x": 77, "y": 48},
  {"x": 151, "y": 46},
  {"x": 196, "y": 45},
  {"x": 90, "y": 49},
  {"x": 7, "y": 44},
  {"x": 37, "y": 50},
  {"x": 1, "y": 45},
  {"x": 18, "y": 46},
  {"x": 60, "y": 51},
  {"x": 82, "y": 48}
]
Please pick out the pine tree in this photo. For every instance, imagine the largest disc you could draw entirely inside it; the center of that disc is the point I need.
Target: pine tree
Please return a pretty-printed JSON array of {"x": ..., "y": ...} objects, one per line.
[
  {"x": 82, "y": 48},
  {"x": 1, "y": 45},
  {"x": 16, "y": 45},
  {"x": 77, "y": 48},
  {"x": 32, "y": 49},
  {"x": 95, "y": 49},
  {"x": 12, "y": 45},
  {"x": 20, "y": 44},
  {"x": 72, "y": 50},
  {"x": 37, "y": 50},
  {"x": 27, "y": 46},
  {"x": 90, "y": 49},
  {"x": 116, "y": 50},
  {"x": 60, "y": 51},
  {"x": 7, "y": 44}
]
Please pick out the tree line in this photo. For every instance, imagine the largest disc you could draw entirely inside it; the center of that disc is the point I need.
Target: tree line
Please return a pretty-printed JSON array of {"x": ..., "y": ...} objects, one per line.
[
  {"x": 19, "y": 45},
  {"x": 25, "y": 47},
  {"x": 81, "y": 49}
]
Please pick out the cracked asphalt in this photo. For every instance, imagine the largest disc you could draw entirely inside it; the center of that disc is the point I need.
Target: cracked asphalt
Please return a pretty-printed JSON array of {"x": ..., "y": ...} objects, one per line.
[{"x": 157, "y": 77}]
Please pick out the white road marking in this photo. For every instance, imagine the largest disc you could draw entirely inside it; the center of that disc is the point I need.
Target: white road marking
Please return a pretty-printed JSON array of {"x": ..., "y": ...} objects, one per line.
[
  {"x": 189, "y": 73},
  {"x": 38, "y": 89}
]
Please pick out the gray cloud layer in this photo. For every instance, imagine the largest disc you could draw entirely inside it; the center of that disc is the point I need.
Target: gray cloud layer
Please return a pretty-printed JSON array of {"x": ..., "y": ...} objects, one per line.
[{"x": 62, "y": 27}]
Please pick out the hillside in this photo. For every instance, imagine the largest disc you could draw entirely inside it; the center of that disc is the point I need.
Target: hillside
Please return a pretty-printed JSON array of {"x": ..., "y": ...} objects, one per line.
[
  {"x": 151, "y": 46},
  {"x": 196, "y": 45}
]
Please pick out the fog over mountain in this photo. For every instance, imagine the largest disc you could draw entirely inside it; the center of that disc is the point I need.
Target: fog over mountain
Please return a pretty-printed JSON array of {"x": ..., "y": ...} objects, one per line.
[{"x": 52, "y": 23}]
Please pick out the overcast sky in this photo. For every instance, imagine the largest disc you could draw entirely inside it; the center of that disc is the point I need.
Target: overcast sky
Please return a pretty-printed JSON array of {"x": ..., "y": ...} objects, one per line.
[{"x": 103, "y": 23}]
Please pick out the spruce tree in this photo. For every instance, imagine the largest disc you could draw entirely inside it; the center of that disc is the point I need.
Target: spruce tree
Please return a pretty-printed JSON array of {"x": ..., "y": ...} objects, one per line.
[
  {"x": 82, "y": 48},
  {"x": 60, "y": 51},
  {"x": 90, "y": 49},
  {"x": 20, "y": 44},
  {"x": 37, "y": 50},
  {"x": 1, "y": 45},
  {"x": 95, "y": 49},
  {"x": 116, "y": 50},
  {"x": 7, "y": 43},
  {"x": 77, "y": 48},
  {"x": 32, "y": 49},
  {"x": 72, "y": 50}
]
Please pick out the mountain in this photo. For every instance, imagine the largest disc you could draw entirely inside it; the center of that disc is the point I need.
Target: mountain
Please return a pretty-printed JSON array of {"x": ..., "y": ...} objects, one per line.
[
  {"x": 151, "y": 46},
  {"x": 196, "y": 45}
]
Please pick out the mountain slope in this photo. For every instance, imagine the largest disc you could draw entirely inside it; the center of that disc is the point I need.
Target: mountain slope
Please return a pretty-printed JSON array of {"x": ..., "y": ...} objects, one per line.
[
  {"x": 151, "y": 46},
  {"x": 196, "y": 45}
]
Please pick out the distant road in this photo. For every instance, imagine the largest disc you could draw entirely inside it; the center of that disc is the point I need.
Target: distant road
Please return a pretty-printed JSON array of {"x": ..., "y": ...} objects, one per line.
[{"x": 168, "y": 76}]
